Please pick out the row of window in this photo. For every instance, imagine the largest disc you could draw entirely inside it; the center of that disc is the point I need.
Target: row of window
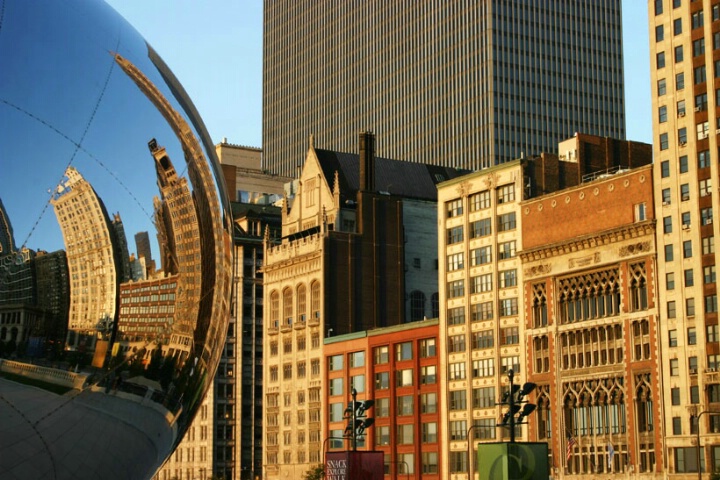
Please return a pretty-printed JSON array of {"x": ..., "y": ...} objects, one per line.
[
  {"x": 709, "y": 277},
  {"x": 480, "y": 201},
  {"x": 481, "y": 228}
]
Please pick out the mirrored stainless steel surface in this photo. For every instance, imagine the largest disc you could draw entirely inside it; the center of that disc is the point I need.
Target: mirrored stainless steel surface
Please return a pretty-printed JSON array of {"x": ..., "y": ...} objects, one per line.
[{"x": 115, "y": 247}]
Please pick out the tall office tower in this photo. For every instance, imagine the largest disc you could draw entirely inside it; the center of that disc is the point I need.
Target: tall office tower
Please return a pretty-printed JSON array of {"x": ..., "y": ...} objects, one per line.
[
  {"x": 53, "y": 292},
  {"x": 142, "y": 244},
  {"x": 466, "y": 84},
  {"x": 90, "y": 251},
  {"x": 7, "y": 240},
  {"x": 684, "y": 48},
  {"x": 122, "y": 256}
]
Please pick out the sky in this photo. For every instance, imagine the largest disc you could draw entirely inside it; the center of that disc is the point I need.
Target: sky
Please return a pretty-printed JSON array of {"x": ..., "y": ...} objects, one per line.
[{"x": 214, "y": 47}]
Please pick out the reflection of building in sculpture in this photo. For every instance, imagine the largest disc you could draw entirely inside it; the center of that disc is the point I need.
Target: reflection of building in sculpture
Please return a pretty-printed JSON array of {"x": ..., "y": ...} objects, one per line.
[
  {"x": 147, "y": 312},
  {"x": 53, "y": 289},
  {"x": 86, "y": 230},
  {"x": 215, "y": 242},
  {"x": 177, "y": 225},
  {"x": 7, "y": 240},
  {"x": 342, "y": 267},
  {"x": 142, "y": 244},
  {"x": 122, "y": 257}
]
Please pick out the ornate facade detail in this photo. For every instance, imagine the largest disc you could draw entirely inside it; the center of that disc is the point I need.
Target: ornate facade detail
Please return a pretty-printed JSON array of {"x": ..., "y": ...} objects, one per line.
[
  {"x": 584, "y": 261},
  {"x": 536, "y": 270},
  {"x": 636, "y": 248}
]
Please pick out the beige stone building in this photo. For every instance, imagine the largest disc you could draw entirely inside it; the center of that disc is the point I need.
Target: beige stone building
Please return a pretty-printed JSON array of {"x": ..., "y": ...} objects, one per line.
[{"x": 685, "y": 86}]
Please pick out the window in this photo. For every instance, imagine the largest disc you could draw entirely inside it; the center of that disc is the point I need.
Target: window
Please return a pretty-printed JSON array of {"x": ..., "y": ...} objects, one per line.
[
  {"x": 427, "y": 346},
  {"x": 659, "y": 33},
  {"x": 689, "y": 277},
  {"x": 697, "y": 20},
  {"x": 336, "y": 412},
  {"x": 708, "y": 245},
  {"x": 458, "y": 430},
  {"x": 315, "y": 367},
  {"x": 667, "y": 224},
  {"x": 666, "y": 196},
  {"x": 677, "y": 425},
  {"x": 704, "y": 159},
  {"x": 484, "y": 428},
  {"x": 429, "y": 462},
  {"x": 482, "y": 311},
  {"x": 506, "y": 222},
  {"x": 457, "y": 462},
  {"x": 454, "y": 235},
  {"x": 709, "y": 274},
  {"x": 691, "y": 336},
  {"x": 483, "y": 368},
  {"x": 672, "y": 338},
  {"x": 681, "y": 108},
  {"x": 705, "y": 187},
  {"x": 403, "y": 351},
  {"x": 456, "y": 316},
  {"x": 479, "y": 201},
  {"x": 381, "y": 355},
  {"x": 685, "y": 220},
  {"x": 678, "y": 54},
  {"x": 690, "y": 307},
  {"x": 510, "y": 336},
  {"x": 455, "y": 261},
  {"x": 661, "y": 88},
  {"x": 484, "y": 397},
  {"x": 457, "y": 400},
  {"x": 357, "y": 359},
  {"x": 429, "y": 432},
  {"x": 456, "y": 343},
  {"x": 665, "y": 168},
  {"x": 699, "y": 75},
  {"x": 682, "y": 136},
  {"x": 674, "y": 367},
  {"x": 711, "y": 333},
  {"x": 480, "y": 228},
  {"x": 454, "y": 208},
  {"x": 664, "y": 145},
  {"x": 382, "y": 407},
  {"x": 660, "y": 59},
  {"x": 640, "y": 212},
  {"x": 456, "y": 288},
  {"x": 336, "y": 386},
  {"x": 480, "y": 256},
  {"x": 671, "y": 310},
  {"x": 506, "y": 250},
  {"x": 703, "y": 130},
  {"x": 677, "y": 26},
  {"x": 670, "y": 281},
  {"x": 482, "y": 339},
  {"x": 382, "y": 381},
  {"x": 301, "y": 370},
  {"x": 405, "y": 434},
  {"x": 507, "y": 278},
  {"x": 428, "y": 375},
  {"x": 404, "y": 378},
  {"x": 482, "y": 283},
  {"x": 675, "y": 396},
  {"x": 715, "y": 12},
  {"x": 711, "y": 304},
  {"x": 699, "y": 47},
  {"x": 669, "y": 253},
  {"x": 456, "y": 371},
  {"x": 706, "y": 216},
  {"x": 683, "y": 161},
  {"x": 680, "y": 82},
  {"x": 335, "y": 363},
  {"x": 506, "y": 193},
  {"x": 716, "y": 40},
  {"x": 701, "y": 102},
  {"x": 508, "y": 306},
  {"x": 684, "y": 192},
  {"x": 662, "y": 114},
  {"x": 382, "y": 435},
  {"x": 687, "y": 249},
  {"x": 428, "y": 403},
  {"x": 405, "y": 405}
]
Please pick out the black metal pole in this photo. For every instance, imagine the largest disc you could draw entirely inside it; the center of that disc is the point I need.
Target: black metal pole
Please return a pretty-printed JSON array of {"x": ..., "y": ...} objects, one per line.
[
  {"x": 511, "y": 404},
  {"x": 354, "y": 432}
]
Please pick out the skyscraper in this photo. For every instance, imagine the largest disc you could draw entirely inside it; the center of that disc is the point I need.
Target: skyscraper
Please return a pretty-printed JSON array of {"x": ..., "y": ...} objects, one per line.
[
  {"x": 466, "y": 84},
  {"x": 684, "y": 48}
]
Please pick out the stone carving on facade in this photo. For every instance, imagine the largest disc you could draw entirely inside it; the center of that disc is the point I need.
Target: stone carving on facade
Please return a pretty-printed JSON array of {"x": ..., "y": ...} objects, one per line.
[
  {"x": 463, "y": 188},
  {"x": 538, "y": 270},
  {"x": 584, "y": 261},
  {"x": 635, "y": 248}
]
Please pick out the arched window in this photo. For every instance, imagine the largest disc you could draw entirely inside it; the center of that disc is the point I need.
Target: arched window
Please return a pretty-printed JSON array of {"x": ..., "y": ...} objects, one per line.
[
  {"x": 417, "y": 305},
  {"x": 315, "y": 300},
  {"x": 287, "y": 307},
  {"x": 435, "y": 305},
  {"x": 302, "y": 303},
  {"x": 274, "y": 309}
]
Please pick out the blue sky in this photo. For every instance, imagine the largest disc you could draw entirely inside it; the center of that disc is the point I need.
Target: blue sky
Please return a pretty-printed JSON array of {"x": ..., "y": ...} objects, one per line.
[{"x": 214, "y": 47}]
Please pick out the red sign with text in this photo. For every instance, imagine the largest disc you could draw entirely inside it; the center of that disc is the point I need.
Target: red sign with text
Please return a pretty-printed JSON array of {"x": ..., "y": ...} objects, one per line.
[{"x": 353, "y": 465}]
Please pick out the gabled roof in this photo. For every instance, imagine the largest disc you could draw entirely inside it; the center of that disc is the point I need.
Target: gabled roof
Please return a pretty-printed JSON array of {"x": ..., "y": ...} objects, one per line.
[{"x": 404, "y": 179}]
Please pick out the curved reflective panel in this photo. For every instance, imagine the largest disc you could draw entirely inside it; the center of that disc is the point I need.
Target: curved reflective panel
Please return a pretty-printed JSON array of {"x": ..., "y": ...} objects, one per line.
[{"x": 115, "y": 247}]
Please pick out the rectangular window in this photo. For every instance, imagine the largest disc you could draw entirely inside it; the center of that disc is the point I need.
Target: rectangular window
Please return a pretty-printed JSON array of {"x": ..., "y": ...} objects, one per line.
[
  {"x": 428, "y": 403},
  {"x": 672, "y": 338},
  {"x": 698, "y": 47},
  {"x": 454, "y": 235},
  {"x": 404, "y": 378},
  {"x": 665, "y": 167},
  {"x": 508, "y": 307},
  {"x": 403, "y": 351},
  {"x": 482, "y": 339},
  {"x": 456, "y": 288},
  {"x": 456, "y": 371},
  {"x": 428, "y": 375},
  {"x": 456, "y": 343},
  {"x": 382, "y": 435},
  {"x": 678, "y": 54},
  {"x": 660, "y": 60},
  {"x": 681, "y": 108},
  {"x": 479, "y": 201},
  {"x": 484, "y": 397},
  {"x": 670, "y": 281},
  {"x": 428, "y": 347},
  {"x": 711, "y": 333},
  {"x": 667, "y": 224},
  {"x": 454, "y": 208},
  {"x": 711, "y": 303},
  {"x": 357, "y": 359},
  {"x": 405, "y": 434},
  {"x": 482, "y": 283},
  {"x": 680, "y": 81},
  {"x": 659, "y": 33},
  {"x": 457, "y": 400},
  {"x": 674, "y": 367},
  {"x": 708, "y": 245},
  {"x": 335, "y": 362},
  {"x": 507, "y": 278},
  {"x": 662, "y": 114},
  {"x": 506, "y": 222},
  {"x": 684, "y": 192},
  {"x": 510, "y": 336},
  {"x": 699, "y": 75},
  {"x": 661, "y": 88},
  {"x": 455, "y": 261},
  {"x": 671, "y": 311},
  {"x": 382, "y": 407},
  {"x": 682, "y": 136},
  {"x": 687, "y": 249},
  {"x": 669, "y": 253},
  {"x": 481, "y": 256},
  {"x": 697, "y": 20},
  {"x": 677, "y": 26},
  {"x": 706, "y": 216},
  {"x": 705, "y": 187},
  {"x": 336, "y": 386},
  {"x": 664, "y": 142},
  {"x": 666, "y": 196},
  {"x": 405, "y": 405},
  {"x": 709, "y": 274},
  {"x": 480, "y": 228},
  {"x": 691, "y": 336},
  {"x": 429, "y": 432},
  {"x": 382, "y": 381},
  {"x": 689, "y": 277},
  {"x": 702, "y": 130},
  {"x": 704, "y": 159},
  {"x": 690, "y": 307},
  {"x": 456, "y": 316},
  {"x": 701, "y": 102},
  {"x": 483, "y": 368},
  {"x": 482, "y": 311},
  {"x": 506, "y": 250},
  {"x": 506, "y": 193},
  {"x": 381, "y": 355}
]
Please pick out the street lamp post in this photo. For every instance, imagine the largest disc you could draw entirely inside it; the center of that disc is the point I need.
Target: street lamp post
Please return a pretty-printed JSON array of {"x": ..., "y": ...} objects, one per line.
[
  {"x": 469, "y": 449},
  {"x": 697, "y": 431},
  {"x": 407, "y": 467}
]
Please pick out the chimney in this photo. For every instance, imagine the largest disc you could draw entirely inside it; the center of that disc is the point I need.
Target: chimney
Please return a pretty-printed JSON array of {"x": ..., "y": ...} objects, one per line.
[{"x": 367, "y": 161}]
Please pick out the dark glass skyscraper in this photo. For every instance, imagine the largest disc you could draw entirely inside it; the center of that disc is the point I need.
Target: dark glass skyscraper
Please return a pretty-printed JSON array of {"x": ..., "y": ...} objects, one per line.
[{"x": 465, "y": 84}]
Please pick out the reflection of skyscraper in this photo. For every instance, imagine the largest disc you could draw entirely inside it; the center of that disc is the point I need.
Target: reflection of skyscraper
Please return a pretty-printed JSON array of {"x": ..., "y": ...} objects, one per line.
[
  {"x": 177, "y": 223},
  {"x": 122, "y": 256},
  {"x": 216, "y": 244},
  {"x": 142, "y": 245},
  {"x": 7, "y": 242},
  {"x": 92, "y": 271},
  {"x": 53, "y": 291}
]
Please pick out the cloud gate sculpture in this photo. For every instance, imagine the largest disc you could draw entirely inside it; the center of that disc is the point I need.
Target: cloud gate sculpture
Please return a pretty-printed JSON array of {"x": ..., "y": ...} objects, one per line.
[{"x": 115, "y": 247}]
